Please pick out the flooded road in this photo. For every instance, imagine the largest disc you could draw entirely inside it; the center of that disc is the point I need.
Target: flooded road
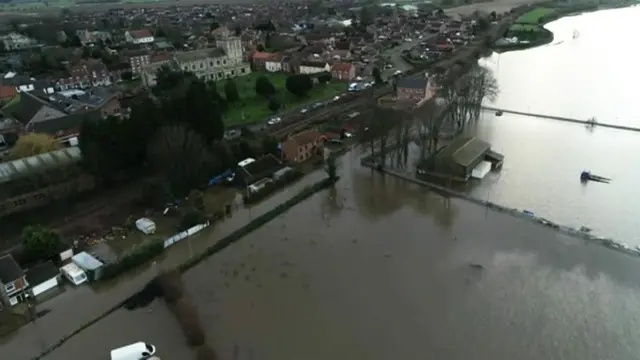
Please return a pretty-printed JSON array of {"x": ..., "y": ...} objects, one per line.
[
  {"x": 77, "y": 306},
  {"x": 382, "y": 269}
]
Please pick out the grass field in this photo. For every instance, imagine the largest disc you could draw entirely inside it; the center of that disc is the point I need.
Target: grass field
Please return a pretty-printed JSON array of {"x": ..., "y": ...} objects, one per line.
[
  {"x": 533, "y": 16},
  {"x": 254, "y": 108},
  {"x": 61, "y": 4}
]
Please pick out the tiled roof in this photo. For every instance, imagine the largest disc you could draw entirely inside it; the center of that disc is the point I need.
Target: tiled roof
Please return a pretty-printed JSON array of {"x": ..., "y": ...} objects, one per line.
[
  {"x": 142, "y": 33},
  {"x": 342, "y": 67}
]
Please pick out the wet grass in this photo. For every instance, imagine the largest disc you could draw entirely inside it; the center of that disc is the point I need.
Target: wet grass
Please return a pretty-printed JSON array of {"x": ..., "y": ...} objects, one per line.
[
  {"x": 254, "y": 108},
  {"x": 534, "y": 16}
]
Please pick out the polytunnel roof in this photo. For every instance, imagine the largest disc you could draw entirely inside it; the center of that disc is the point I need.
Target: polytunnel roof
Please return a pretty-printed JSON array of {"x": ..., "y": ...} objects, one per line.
[{"x": 20, "y": 168}]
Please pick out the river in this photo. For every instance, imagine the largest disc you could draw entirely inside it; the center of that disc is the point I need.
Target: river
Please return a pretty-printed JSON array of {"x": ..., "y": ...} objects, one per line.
[
  {"x": 592, "y": 75},
  {"x": 381, "y": 269}
]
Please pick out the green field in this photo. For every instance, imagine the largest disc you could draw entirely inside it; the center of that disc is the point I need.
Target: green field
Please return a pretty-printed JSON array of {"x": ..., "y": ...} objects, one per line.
[
  {"x": 254, "y": 108},
  {"x": 61, "y": 4},
  {"x": 533, "y": 16}
]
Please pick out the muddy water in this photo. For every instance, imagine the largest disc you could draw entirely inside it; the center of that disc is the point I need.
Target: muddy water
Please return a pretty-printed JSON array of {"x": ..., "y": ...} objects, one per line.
[{"x": 380, "y": 269}]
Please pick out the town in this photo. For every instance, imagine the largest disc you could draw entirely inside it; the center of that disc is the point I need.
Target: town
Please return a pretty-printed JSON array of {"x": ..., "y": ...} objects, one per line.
[{"x": 126, "y": 130}]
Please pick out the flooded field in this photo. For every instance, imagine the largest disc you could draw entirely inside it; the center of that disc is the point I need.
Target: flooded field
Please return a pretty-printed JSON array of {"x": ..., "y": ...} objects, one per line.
[
  {"x": 154, "y": 325},
  {"x": 381, "y": 269}
]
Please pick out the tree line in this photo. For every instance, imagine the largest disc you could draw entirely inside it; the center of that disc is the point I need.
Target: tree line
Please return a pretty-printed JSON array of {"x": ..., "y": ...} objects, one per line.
[{"x": 176, "y": 132}]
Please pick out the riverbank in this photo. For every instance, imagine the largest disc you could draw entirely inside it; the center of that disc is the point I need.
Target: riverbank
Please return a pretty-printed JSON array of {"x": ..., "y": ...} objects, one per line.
[
  {"x": 528, "y": 30},
  {"x": 568, "y": 230}
]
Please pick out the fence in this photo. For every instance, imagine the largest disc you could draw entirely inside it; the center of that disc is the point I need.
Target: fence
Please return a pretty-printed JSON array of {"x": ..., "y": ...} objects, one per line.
[{"x": 185, "y": 234}]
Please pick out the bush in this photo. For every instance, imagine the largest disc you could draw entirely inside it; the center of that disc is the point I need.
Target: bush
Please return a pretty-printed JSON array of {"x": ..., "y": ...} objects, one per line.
[
  {"x": 191, "y": 218},
  {"x": 187, "y": 316},
  {"x": 171, "y": 285},
  {"x": 206, "y": 352},
  {"x": 137, "y": 257}
]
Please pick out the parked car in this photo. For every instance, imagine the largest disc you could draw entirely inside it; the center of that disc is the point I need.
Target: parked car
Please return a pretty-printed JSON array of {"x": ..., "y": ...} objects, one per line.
[
  {"x": 304, "y": 110},
  {"x": 274, "y": 120}
]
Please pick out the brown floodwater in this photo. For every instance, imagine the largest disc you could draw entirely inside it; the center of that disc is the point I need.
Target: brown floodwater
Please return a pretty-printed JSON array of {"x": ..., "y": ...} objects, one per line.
[{"x": 381, "y": 269}]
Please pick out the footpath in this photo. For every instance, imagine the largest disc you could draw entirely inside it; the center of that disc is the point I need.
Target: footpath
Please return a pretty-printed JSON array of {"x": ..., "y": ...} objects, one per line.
[{"x": 78, "y": 306}]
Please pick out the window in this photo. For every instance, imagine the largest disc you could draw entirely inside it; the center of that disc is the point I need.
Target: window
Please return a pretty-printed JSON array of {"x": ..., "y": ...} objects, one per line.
[
  {"x": 224, "y": 62},
  {"x": 19, "y": 202},
  {"x": 201, "y": 66},
  {"x": 218, "y": 62},
  {"x": 186, "y": 67},
  {"x": 233, "y": 72},
  {"x": 220, "y": 75},
  {"x": 193, "y": 66},
  {"x": 38, "y": 196},
  {"x": 242, "y": 70},
  {"x": 10, "y": 287},
  {"x": 211, "y": 63}
]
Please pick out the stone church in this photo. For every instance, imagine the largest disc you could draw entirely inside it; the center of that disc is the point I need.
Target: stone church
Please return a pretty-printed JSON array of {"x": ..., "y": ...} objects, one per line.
[{"x": 222, "y": 62}]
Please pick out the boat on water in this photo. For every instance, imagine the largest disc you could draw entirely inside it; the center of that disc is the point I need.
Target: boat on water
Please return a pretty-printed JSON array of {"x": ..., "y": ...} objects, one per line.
[{"x": 588, "y": 176}]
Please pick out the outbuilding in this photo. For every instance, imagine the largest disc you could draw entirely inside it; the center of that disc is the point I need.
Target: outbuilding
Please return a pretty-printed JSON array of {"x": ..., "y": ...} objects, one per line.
[
  {"x": 91, "y": 266},
  {"x": 43, "y": 278}
]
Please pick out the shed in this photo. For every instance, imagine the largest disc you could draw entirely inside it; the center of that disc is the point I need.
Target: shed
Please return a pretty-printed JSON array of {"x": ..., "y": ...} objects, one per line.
[
  {"x": 92, "y": 266},
  {"x": 459, "y": 158},
  {"x": 42, "y": 278}
]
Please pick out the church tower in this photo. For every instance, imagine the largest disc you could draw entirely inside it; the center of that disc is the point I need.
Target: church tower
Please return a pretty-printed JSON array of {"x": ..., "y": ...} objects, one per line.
[{"x": 231, "y": 45}]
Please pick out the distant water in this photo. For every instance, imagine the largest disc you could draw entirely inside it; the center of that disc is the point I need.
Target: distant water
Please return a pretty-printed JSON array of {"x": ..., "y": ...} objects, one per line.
[{"x": 594, "y": 75}]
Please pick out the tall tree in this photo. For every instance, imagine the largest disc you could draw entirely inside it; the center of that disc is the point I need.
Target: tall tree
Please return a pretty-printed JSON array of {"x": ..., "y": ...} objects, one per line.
[
  {"x": 40, "y": 243},
  {"x": 182, "y": 157},
  {"x": 299, "y": 84},
  {"x": 231, "y": 91},
  {"x": 376, "y": 75},
  {"x": 264, "y": 87}
]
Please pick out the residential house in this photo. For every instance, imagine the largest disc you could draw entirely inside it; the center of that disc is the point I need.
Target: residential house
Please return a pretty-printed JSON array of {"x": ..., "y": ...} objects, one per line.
[
  {"x": 222, "y": 62},
  {"x": 343, "y": 71},
  {"x": 42, "y": 278},
  {"x": 313, "y": 67},
  {"x": 148, "y": 72},
  {"x": 137, "y": 60},
  {"x": 274, "y": 64},
  {"x": 413, "y": 88},
  {"x": 138, "y": 37},
  {"x": 93, "y": 37},
  {"x": 15, "y": 41},
  {"x": 87, "y": 73},
  {"x": 72, "y": 102},
  {"x": 37, "y": 114},
  {"x": 7, "y": 93},
  {"x": 12, "y": 281},
  {"x": 259, "y": 60},
  {"x": 303, "y": 146}
]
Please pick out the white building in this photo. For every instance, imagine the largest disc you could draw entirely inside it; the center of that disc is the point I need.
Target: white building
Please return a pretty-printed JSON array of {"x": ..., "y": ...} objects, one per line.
[
  {"x": 142, "y": 36},
  {"x": 309, "y": 67},
  {"x": 15, "y": 41},
  {"x": 273, "y": 65}
]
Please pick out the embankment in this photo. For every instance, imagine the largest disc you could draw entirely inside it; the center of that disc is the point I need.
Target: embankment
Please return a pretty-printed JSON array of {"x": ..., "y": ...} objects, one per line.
[
  {"x": 606, "y": 242},
  {"x": 219, "y": 245}
]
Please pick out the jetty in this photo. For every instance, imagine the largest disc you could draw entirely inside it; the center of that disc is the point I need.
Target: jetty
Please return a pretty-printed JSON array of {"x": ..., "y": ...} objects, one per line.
[
  {"x": 589, "y": 122},
  {"x": 588, "y": 176}
]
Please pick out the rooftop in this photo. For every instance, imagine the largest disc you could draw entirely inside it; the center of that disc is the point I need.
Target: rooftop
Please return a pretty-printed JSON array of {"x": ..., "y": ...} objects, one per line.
[
  {"x": 9, "y": 269},
  {"x": 20, "y": 168},
  {"x": 464, "y": 150}
]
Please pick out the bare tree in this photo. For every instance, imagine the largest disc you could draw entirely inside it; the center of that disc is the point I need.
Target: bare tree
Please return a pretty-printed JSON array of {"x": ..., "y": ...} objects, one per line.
[
  {"x": 182, "y": 156},
  {"x": 482, "y": 85}
]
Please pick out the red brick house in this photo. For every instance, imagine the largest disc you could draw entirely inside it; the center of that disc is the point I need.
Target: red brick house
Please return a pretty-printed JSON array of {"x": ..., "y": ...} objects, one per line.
[
  {"x": 343, "y": 71},
  {"x": 12, "y": 282},
  {"x": 303, "y": 146},
  {"x": 413, "y": 88}
]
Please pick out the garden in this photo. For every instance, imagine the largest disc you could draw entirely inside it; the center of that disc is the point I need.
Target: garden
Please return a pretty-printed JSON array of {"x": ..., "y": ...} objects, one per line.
[{"x": 253, "y": 107}]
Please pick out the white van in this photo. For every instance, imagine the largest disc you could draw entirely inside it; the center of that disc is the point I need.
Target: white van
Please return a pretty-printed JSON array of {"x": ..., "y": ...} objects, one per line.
[
  {"x": 74, "y": 274},
  {"x": 137, "y": 351}
]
